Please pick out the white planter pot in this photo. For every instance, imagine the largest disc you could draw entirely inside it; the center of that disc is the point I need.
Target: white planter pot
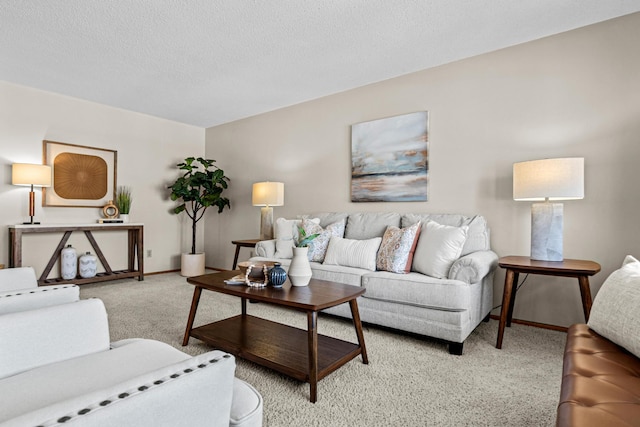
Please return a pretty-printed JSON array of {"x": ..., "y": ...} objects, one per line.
[
  {"x": 299, "y": 269},
  {"x": 192, "y": 265},
  {"x": 124, "y": 218}
]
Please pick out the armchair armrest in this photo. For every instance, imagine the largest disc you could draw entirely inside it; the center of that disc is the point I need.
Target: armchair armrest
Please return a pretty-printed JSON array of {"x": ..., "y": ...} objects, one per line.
[
  {"x": 266, "y": 248},
  {"x": 13, "y": 279},
  {"x": 38, "y": 297},
  {"x": 47, "y": 335},
  {"x": 473, "y": 267}
]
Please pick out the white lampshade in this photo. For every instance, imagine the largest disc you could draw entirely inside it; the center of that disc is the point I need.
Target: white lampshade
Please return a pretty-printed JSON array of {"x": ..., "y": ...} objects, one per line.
[
  {"x": 268, "y": 194},
  {"x": 549, "y": 179},
  {"x": 545, "y": 180},
  {"x": 29, "y": 174}
]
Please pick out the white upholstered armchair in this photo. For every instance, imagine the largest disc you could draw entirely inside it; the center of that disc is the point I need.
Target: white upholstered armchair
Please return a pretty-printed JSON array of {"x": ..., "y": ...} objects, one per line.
[{"x": 19, "y": 291}]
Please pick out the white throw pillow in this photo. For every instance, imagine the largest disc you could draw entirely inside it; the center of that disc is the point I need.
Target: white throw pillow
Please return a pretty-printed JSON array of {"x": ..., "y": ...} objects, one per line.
[
  {"x": 438, "y": 247},
  {"x": 286, "y": 232},
  {"x": 616, "y": 309},
  {"x": 353, "y": 253}
]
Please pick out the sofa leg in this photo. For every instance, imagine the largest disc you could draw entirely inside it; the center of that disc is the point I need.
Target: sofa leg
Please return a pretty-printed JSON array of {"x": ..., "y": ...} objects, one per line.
[
  {"x": 455, "y": 348},
  {"x": 487, "y": 318}
]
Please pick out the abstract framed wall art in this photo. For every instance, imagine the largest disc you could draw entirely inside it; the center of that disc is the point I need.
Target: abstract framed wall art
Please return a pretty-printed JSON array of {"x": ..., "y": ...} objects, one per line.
[
  {"x": 83, "y": 177},
  {"x": 390, "y": 159}
]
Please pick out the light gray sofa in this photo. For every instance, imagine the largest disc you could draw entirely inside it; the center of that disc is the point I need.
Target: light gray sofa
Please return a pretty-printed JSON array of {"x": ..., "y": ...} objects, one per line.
[
  {"x": 447, "y": 308},
  {"x": 58, "y": 367}
]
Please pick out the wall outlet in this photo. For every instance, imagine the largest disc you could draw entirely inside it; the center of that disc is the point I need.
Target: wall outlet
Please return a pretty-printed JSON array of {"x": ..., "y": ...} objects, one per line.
[{"x": 149, "y": 253}]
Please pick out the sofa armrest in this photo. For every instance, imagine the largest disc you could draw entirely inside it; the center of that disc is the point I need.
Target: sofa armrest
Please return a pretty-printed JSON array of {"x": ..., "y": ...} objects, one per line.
[
  {"x": 194, "y": 392},
  {"x": 47, "y": 335},
  {"x": 33, "y": 298},
  {"x": 266, "y": 248},
  {"x": 473, "y": 267}
]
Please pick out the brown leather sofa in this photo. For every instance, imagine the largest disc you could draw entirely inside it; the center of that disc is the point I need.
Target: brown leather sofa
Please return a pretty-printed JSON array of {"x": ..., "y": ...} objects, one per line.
[{"x": 600, "y": 382}]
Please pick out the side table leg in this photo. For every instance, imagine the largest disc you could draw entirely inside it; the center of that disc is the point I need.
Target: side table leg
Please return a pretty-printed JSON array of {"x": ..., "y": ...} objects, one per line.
[
  {"x": 192, "y": 314},
  {"x": 312, "y": 328},
  {"x": 235, "y": 258},
  {"x": 506, "y": 301},
  {"x": 512, "y": 301},
  {"x": 585, "y": 293},
  {"x": 355, "y": 314}
]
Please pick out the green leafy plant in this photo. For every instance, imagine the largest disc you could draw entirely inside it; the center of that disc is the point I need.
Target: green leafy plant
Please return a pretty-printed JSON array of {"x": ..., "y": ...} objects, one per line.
[
  {"x": 304, "y": 240},
  {"x": 123, "y": 200},
  {"x": 199, "y": 188}
]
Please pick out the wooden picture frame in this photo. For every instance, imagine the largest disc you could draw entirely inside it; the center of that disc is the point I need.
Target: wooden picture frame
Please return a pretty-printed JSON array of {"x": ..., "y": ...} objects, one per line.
[{"x": 83, "y": 177}]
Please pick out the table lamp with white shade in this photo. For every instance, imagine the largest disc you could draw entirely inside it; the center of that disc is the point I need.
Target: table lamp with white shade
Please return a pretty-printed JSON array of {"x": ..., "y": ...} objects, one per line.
[
  {"x": 267, "y": 194},
  {"x": 548, "y": 180},
  {"x": 33, "y": 175}
]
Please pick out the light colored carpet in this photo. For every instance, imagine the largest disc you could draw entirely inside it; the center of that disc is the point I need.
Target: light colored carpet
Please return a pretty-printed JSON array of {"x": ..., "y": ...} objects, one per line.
[{"x": 409, "y": 381}]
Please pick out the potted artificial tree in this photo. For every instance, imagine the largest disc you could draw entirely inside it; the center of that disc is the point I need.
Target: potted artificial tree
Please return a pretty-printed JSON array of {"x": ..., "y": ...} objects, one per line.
[{"x": 198, "y": 188}]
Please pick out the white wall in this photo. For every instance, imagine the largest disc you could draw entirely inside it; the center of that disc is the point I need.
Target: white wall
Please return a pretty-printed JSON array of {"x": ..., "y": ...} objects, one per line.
[
  {"x": 148, "y": 149},
  {"x": 574, "y": 94}
]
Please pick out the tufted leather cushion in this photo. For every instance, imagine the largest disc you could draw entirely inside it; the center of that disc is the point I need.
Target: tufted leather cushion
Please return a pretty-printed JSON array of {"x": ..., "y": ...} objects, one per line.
[{"x": 600, "y": 382}]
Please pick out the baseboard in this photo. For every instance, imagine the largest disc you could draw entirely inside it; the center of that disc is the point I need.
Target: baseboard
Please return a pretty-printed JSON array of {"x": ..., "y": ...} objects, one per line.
[{"x": 534, "y": 324}]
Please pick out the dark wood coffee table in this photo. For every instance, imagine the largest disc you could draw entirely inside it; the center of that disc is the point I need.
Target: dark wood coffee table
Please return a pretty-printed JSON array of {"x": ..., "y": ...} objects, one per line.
[{"x": 303, "y": 355}]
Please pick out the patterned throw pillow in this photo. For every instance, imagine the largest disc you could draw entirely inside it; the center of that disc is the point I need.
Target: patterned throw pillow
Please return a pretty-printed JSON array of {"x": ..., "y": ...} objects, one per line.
[
  {"x": 397, "y": 248},
  {"x": 318, "y": 246}
]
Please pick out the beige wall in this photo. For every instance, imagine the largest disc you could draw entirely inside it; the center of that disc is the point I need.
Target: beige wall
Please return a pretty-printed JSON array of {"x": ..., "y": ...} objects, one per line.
[
  {"x": 148, "y": 149},
  {"x": 574, "y": 94}
]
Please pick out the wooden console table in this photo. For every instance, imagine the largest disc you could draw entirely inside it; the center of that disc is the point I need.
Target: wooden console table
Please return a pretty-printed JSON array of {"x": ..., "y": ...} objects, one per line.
[{"x": 135, "y": 250}]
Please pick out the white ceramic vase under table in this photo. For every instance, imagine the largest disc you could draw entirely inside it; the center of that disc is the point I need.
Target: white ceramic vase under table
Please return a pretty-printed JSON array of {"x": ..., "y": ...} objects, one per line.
[
  {"x": 192, "y": 265},
  {"x": 299, "y": 269}
]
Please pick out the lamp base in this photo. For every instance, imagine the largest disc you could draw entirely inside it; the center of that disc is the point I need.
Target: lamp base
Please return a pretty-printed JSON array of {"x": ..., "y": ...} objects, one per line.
[
  {"x": 266, "y": 223},
  {"x": 546, "y": 231}
]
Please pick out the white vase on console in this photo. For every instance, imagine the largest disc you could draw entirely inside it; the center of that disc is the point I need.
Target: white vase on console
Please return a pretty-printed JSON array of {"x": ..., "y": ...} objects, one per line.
[{"x": 299, "y": 269}]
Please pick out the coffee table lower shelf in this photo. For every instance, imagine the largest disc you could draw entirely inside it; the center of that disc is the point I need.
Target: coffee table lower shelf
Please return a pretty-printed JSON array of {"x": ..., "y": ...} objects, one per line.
[{"x": 282, "y": 348}]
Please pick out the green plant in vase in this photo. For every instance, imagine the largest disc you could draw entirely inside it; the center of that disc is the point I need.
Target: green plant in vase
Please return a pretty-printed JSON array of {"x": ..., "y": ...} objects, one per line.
[
  {"x": 123, "y": 200},
  {"x": 304, "y": 240}
]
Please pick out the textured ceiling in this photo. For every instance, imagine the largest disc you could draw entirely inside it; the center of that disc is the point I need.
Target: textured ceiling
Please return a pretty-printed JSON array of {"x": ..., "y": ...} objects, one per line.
[{"x": 207, "y": 62}]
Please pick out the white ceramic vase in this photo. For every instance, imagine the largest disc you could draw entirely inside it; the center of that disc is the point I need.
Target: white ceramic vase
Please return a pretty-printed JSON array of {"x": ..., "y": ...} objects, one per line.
[
  {"x": 68, "y": 263},
  {"x": 192, "y": 265},
  {"x": 88, "y": 265},
  {"x": 299, "y": 269},
  {"x": 124, "y": 218}
]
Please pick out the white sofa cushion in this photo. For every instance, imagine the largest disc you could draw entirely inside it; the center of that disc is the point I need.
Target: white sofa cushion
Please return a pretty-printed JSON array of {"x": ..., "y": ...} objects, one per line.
[
  {"x": 286, "y": 231},
  {"x": 478, "y": 238},
  {"x": 418, "y": 290},
  {"x": 32, "y": 338},
  {"x": 362, "y": 226},
  {"x": 616, "y": 309},
  {"x": 353, "y": 253},
  {"x": 438, "y": 247}
]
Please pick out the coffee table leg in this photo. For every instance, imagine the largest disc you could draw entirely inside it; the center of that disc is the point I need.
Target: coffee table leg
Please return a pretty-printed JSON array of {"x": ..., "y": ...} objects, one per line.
[
  {"x": 312, "y": 328},
  {"x": 358, "y": 324},
  {"x": 585, "y": 293},
  {"x": 192, "y": 314}
]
